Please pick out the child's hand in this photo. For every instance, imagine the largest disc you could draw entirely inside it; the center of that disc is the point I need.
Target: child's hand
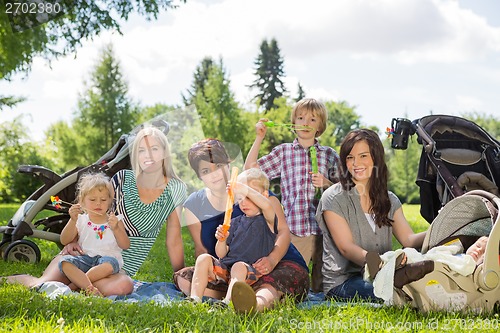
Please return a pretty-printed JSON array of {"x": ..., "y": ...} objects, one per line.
[
  {"x": 74, "y": 211},
  {"x": 220, "y": 235},
  {"x": 238, "y": 189},
  {"x": 112, "y": 221},
  {"x": 260, "y": 128},
  {"x": 320, "y": 181}
]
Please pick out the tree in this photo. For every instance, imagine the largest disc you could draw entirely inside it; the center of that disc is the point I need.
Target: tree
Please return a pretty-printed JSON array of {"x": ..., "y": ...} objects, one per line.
[
  {"x": 26, "y": 36},
  {"x": 104, "y": 113},
  {"x": 200, "y": 79},
  {"x": 489, "y": 123},
  {"x": 300, "y": 92},
  {"x": 342, "y": 118},
  {"x": 15, "y": 150},
  {"x": 10, "y": 101},
  {"x": 220, "y": 113},
  {"x": 403, "y": 167},
  {"x": 69, "y": 144},
  {"x": 269, "y": 71}
]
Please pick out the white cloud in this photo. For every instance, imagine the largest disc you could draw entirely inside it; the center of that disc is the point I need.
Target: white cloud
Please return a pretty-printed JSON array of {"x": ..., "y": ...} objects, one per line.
[{"x": 468, "y": 103}]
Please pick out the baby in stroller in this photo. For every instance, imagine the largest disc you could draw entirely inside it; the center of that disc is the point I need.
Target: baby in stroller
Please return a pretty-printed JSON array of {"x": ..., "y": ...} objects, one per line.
[
  {"x": 477, "y": 250},
  {"x": 405, "y": 272},
  {"x": 441, "y": 277}
]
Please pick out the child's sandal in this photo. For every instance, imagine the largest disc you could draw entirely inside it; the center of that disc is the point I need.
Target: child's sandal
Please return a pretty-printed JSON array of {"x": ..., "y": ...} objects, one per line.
[
  {"x": 401, "y": 261},
  {"x": 374, "y": 263}
]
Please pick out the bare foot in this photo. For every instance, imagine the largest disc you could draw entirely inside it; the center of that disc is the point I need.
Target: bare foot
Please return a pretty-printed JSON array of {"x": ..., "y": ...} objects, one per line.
[{"x": 92, "y": 291}]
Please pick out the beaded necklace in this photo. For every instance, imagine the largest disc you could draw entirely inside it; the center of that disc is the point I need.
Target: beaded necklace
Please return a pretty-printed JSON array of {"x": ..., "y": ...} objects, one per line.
[{"x": 98, "y": 228}]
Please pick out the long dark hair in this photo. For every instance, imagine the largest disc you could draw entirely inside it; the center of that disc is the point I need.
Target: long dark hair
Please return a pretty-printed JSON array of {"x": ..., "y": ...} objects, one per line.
[{"x": 379, "y": 198}]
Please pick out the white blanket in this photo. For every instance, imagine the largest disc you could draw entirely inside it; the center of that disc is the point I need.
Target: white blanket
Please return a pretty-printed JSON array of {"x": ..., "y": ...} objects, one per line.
[{"x": 447, "y": 254}]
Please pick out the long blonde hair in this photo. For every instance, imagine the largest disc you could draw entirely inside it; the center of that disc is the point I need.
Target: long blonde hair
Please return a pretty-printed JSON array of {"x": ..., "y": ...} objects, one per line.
[{"x": 168, "y": 168}]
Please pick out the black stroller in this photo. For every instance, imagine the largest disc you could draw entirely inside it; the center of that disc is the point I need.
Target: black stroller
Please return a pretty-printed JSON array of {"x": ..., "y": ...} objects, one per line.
[
  {"x": 458, "y": 156},
  {"x": 458, "y": 176},
  {"x": 13, "y": 246}
]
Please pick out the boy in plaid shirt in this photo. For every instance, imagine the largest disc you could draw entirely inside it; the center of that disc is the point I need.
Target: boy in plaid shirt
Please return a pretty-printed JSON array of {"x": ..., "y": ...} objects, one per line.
[{"x": 292, "y": 163}]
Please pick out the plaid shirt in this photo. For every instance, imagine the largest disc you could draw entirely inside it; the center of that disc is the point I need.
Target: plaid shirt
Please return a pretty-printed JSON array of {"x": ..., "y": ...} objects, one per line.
[{"x": 292, "y": 163}]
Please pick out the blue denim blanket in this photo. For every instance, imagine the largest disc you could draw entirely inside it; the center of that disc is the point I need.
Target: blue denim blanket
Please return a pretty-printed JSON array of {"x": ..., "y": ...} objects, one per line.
[{"x": 163, "y": 293}]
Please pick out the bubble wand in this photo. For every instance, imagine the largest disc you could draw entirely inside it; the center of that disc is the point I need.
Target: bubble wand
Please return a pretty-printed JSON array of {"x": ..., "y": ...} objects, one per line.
[
  {"x": 56, "y": 202},
  {"x": 291, "y": 127},
  {"x": 230, "y": 201},
  {"x": 314, "y": 167}
]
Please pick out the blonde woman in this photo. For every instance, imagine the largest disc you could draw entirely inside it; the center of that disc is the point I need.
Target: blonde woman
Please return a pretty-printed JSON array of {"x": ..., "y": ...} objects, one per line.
[{"x": 147, "y": 197}]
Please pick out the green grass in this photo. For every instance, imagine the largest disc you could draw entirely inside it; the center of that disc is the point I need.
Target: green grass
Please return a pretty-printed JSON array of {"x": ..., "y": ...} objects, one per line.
[{"x": 24, "y": 310}]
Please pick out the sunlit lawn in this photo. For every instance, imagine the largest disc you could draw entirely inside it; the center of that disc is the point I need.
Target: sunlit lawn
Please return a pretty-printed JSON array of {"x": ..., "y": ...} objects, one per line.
[{"x": 24, "y": 310}]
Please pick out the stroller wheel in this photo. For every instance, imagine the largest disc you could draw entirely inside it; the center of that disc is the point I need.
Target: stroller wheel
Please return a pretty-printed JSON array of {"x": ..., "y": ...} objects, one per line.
[
  {"x": 22, "y": 250},
  {"x": 3, "y": 246}
]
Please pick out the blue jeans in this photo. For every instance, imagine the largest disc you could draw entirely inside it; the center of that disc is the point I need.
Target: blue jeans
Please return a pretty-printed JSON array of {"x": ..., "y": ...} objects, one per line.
[
  {"x": 354, "y": 288},
  {"x": 85, "y": 262}
]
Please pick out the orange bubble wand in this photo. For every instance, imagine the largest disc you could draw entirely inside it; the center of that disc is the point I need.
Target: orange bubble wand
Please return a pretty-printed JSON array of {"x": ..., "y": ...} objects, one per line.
[{"x": 230, "y": 200}]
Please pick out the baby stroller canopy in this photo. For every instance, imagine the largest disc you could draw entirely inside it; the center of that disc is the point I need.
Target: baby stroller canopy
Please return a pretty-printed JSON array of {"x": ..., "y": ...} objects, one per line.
[
  {"x": 465, "y": 218},
  {"x": 457, "y": 156}
]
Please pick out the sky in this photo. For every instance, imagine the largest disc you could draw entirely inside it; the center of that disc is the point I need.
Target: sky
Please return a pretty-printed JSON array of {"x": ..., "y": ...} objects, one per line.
[{"x": 386, "y": 58}]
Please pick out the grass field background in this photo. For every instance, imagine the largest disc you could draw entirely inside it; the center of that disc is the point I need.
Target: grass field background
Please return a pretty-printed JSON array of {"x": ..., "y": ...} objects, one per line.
[{"x": 25, "y": 310}]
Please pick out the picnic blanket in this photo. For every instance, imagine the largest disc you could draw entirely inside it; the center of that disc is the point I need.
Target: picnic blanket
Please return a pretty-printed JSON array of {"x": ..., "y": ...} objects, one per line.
[
  {"x": 161, "y": 293},
  {"x": 164, "y": 293}
]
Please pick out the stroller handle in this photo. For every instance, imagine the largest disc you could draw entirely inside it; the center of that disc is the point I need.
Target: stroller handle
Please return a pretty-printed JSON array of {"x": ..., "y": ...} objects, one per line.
[
  {"x": 490, "y": 196},
  {"x": 488, "y": 277}
]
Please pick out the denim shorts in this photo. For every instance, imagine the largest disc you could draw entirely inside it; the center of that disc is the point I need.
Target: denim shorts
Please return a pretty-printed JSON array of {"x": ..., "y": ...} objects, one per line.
[{"x": 85, "y": 262}]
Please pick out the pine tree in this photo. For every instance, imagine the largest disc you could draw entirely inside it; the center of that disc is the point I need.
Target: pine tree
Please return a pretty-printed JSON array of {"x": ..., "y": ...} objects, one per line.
[
  {"x": 269, "y": 71},
  {"x": 105, "y": 112},
  {"x": 200, "y": 79},
  {"x": 300, "y": 92},
  {"x": 221, "y": 116}
]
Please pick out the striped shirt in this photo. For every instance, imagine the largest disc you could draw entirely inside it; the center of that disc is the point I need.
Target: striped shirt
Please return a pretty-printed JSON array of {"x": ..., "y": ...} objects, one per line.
[
  {"x": 292, "y": 163},
  {"x": 143, "y": 222}
]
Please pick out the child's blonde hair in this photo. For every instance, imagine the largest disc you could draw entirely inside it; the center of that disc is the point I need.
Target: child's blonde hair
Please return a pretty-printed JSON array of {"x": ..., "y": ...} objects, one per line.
[
  {"x": 317, "y": 108},
  {"x": 91, "y": 181},
  {"x": 255, "y": 175}
]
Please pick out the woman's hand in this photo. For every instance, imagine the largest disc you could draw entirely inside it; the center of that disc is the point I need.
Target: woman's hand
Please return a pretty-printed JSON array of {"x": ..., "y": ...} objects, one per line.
[
  {"x": 264, "y": 265},
  {"x": 72, "y": 249}
]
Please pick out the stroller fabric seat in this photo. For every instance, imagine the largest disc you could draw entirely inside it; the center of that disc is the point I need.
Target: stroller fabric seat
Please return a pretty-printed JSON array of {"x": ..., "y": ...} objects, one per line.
[
  {"x": 470, "y": 181},
  {"x": 460, "y": 156}
]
